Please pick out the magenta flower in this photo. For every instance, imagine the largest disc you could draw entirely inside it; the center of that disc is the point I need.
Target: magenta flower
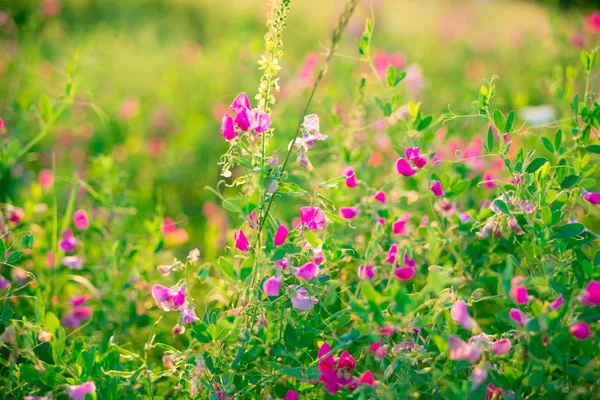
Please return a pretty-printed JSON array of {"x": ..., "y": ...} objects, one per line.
[
  {"x": 378, "y": 350},
  {"x": 312, "y": 218},
  {"x": 81, "y": 391},
  {"x": 281, "y": 235},
  {"x": 478, "y": 376},
  {"x": 404, "y": 274},
  {"x": 240, "y": 103},
  {"x": 460, "y": 314},
  {"x": 436, "y": 188},
  {"x": 518, "y": 292},
  {"x": 168, "y": 298},
  {"x": 414, "y": 154},
  {"x": 365, "y": 272},
  {"x": 80, "y": 218},
  {"x": 4, "y": 283},
  {"x": 399, "y": 227},
  {"x": 69, "y": 241},
  {"x": 556, "y": 304},
  {"x": 459, "y": 350},
  {"x": 282, "y": 264},
  {"x": 310, "y": 132},
  {"x": 77, "y": 301},
  {"x": 72, "y": 262},
  {"x": 348, "y": 212},
  {"x": 593, "y": 198},
  {"x": 366, "y": 379},
  {"x": 392, "y": 253},
  {"x": 291, "y": 395},
  {"x": 591, "y": 295},
  {"x": 592, "y": 22},
  {"x": 15, "y": 214},
  {"x": 346, "y": 362},
  {"x": 241, "y": 242},
  {"x": 380, "y": 197},
  {"x": 350, "y": 178},
  {"x": 580, "y": 330},
  {"x": 242, "y": 120},
  {"x": 501, "y": 347},
  {"x": 259, "y": 121},
  {"x": 188, "y": 314},
  {"x": 227, "y": 129},
  {"x": 272, "y": 286},
  {"x": 408, "y": 261},
  {"x": 404, "y": 168},
  {"x": 78, "y": 313},
  {"x": 518, "y": 316},
  {"x": 301, "y": 300},
  {"x": 307, "y": 272}
]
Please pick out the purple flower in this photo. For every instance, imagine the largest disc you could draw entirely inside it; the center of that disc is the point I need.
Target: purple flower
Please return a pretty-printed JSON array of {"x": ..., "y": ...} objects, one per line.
[
  {"x": 436, "y": 188},
  {"x": 593, "y": 198},
  {"x": 80, "y": 218},
  {"x": 459, "y": 350},
  {"x": 307, "y": 272},
  {"x": 72, "y": 262},
  {"x": 272, "y": 286},
  {"x": 301, "y": 300},
  {"x": 81, "y": 391},
  {"x": 188, "y": 314},
  {"x": 365, "y": 272},
  {"x": 69, "y": 241},
  {"x": 168, "y": 298},
  {"x": 404, "y": 168},
  {"x": 241, "y": 242}
]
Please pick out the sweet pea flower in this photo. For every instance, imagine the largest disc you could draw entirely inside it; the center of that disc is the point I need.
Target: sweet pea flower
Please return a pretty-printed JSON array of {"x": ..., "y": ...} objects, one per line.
[
  {"x": 436, "y": 188},
  {"x": 346, "y": 362},
  {"x": 593, "y": 198},
  {"x": 241, "y": 242},
  {"x": 168, "y": 298},
  {"x": 4, "y": 283},
  {"x": 348, "y": 213},
  {"x": 72, "y": 262},
  {"x": 80, "y": 219},
  {"x": 280, "y": 235},
  {"x": 414, "y": 154},
  {"x": 460, "y": 314},
  {"x": 404, "y": 168},
  {"x": 592, "y": 22},
  {"x": 253, "y": 220},
  {"x": 556, "y": 304},
  {"x": 259, "y": 121},
  {"x": 15, "y": 214},
  {"x": 304, "y": 162},
  {"x": 69, "y": 241},
  {"x": 399, "y": 227},
  {"x": 501, "y": 347},
  {"x": 518, "y": 316},
  {"x": 282, "y": 264},
  {"x": 291, "y": 395},
  {"x": 240, "y": 103},
  {"x": 46, "y": 178},
  {"x": 580, "y": 330},
  {"x": 80, "y": 392},
  {"x": 378, "y": 350},
  {"x": 478, "y": 376},
  {"x": 459, "y": 350},
  {"x": 272, "y": 286},
  {"x": 311, "y": 132},
  {"x": 242, "y": 120},
  {"x": 591, "y": 295},
  {"x": 188, "y": 314},
  {"x": 366, "y": 379},
  {"x": 365, "y": 272},
  {"x": 518, "y": 292},
  {"x": 301, "y": 300},
  {"x": 408, "y": 261},
  {"x": 307, "y": 272},
  {"x": 380, "y": 197},
  {"x": 227, "y": 129},
  {"x": 312, "y": 218},
  {"x": 350, "y": 178},
  {"x": 404, "y": 274},
  {"x": 178, "y": 329},
  {"x": 391, "y": 256}
]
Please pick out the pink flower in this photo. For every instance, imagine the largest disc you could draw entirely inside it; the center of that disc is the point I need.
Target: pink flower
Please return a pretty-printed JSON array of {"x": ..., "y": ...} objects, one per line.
[
  {"x": 351, "y": 178},
  {"x": 593, "y": 198},
  {"x": 312, "y": 218},
  {"x": 591, "y": 295},
  {"x": 240, "y": 103},
  {"x": 460, "y": 314},
  {"x": 365, "y": 272},
  {"x": 408, "y": 261},
  {"x": 304, "y": 162},
  {"x": 1, "y": 124},
  {"x": 478, "y": 376},
  {"x": 391, "y": 256},
  {"x": 380, "y": 197},
  {"x": 77, "y": 301},
  {"x": 404, "y": 274},
  {"x": 15, "y": 214},
  {"x": 378, "y": 350},
  {"x": 241, "y": 242},
  {"x": 80, "y": 219},
  {"x": 518, "y": 292},
  {"x": 81, "y": 391},
  {"x": 518, "y": 316},
  {"x": 272, "y": 285},
  {"x": 307, "y": 272},
  {"x": 488, "y": 180},
  {"x": 436, "y": 188},
  {"x": 580, "y": 330},
  {"x": 346, "y": 362},
  {"x": 178, "y": 329},
  {"x": 69, "y": 241},
  {"x": 46, "y": 178},
  {"x": 404, "y": 168},
  {"x": 4, "y": 283},
  {"x": 72, "y": 262},
  {"x": 168, "y": 298},
  {"x": 399, "y": 227},
  {"x": 414, "y": 154},
  {"x": 459, "y": 350},
  {"x": 348, "y": 212},
  {"x": 78, "y": 313},
  {"x": 242, "y": 120},
  {"x": 168, "y": 226},
  {"x": 259, "y": 121},
  {"x": 253, "y": 220},
  {"x": 556, "y": 304},
  {"x": 283, "y": 263},
  {"x": 301, "y": 300},
  {"x": 227, "y": 129},
  {"x": 188, "y": 314},
  {"x": 501, "y": 347},
  {"x": 281, "y": 235},
  {"x": 291, "y": 395},
  {"x": 592, "y": 22},
  {"x": 366, "y": 379}
]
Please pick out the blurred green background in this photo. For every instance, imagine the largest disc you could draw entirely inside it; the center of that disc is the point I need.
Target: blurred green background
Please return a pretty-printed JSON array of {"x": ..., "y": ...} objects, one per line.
[{"x": 156, "y": 76}]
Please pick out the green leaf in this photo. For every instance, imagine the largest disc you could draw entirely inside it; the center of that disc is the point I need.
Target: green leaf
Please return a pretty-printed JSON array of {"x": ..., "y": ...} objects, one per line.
[
  {"x": 536, "y": 164},
  {"x": 509, "y": 121},
  {"x": 490, "y": 139},
  {"x": 2, "y": 250},
  {"x": 593, "y": 148},
  {"x": 568, "y": 230},
  {"x": 52, "y": 323},
  {"x": 333, "y": 183},
  {"x": 232, "y": 204},
  {"x": 27, "y": 241},
  {"x": 499, "y": 120},
  {"x": 425, "y": 122},
  {"x": 226, "y": 267},
  {"x": 58, "y": 344},
  {"x": 502, "y": 206},
  {"x": 291, "y": 188},
  {"x": 569, "y": 181},
  {"x": 390, "y": 76},
  {"x": 399, "y": 78},
  {"x": 386, "y": 108},
  {"x": 46, "y": 108},
  {"x": 557, "y": 139},
  {"x": 14, "y": 257},
  {"x": 546, "y": 216},
  {"x": 547, "y": 144}
]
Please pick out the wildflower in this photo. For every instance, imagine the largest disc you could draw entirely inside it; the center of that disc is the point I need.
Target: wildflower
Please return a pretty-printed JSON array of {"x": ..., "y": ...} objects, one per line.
[
  {"x": 291, "y": 395},
  {"x": 518, "y": 292},
  {"x": 80, "y": 392},
  {"x": 77, "y": 315},
  {"x": 501, "y": 347},
  {"x": 242, "y": 120},
  {"x": 46, "y": 178},
  {"x": 514, "y": 225},
  {"x": 69, "y": 241},
  {"x": 365, "y": 272},
  {"x": 488, "y": 180},
  {"x": 281, "y": 235},
  {"x": 366, "y": 379},
  {"x": 580, "y": 330},
  {"x": 272, "y": 285},
  {"x": 227, "y": 129},
  {"x": 391, "y": 256},
  {"x": 436, "y": 188},
  {"x": 72, "y": 262},
  {"x": 556, "y": 304},
  {"x": 240, "y": 103},
  {"x": 259, "y": 121},
  {"x": 312, "y": 218},
  {"x": 44, "y": 336},
  {"x": 282, "y": 264},
  {"x": 307, "y": 272},
  {"x": 487, "y": 229},
  {"x": 399, "y": 227},
  {"x": 378, "y": 350},
  {"x": 518, "y": 316},
  {"x": 194, "y": 256},
  {"x": 14, "y": 214},
  {"x": 168, "y": 298},
  {"x": 404, "y": 274},
  {"x": 593, "y": 198},
  {"x": 80, "y": 219},
  {"x": 414, "y": 154},
  {"x": 459, "y": 350},
  {"x": 408, "y": 261},
  {"x": 253, "y": 220},
  {"x": 478, "y": 376},
  {"x": 241, "y": 242},
  {"x": 380, "y": 197},
  {"x": 348, "y": 212},
  {"x": 591, "y": 295},
  {"x": 188, "y": 314},
  {"x": 592, "y": 22},
  {"x": 460, "y": 314},
  {"x": 493, "y": 392},
  {"x": 350, "y": 178},
  {"x": 301, "y": 300},
  {"x": 304, "y": 162},
  {"x": 4, "y": 283},
  {"x": 404, "y": 168},
  {"x": 178, "y": 329}
]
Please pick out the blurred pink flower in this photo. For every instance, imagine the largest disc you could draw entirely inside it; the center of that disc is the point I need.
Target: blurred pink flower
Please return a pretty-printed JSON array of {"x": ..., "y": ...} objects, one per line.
[
  {"x": 80, "y": 219},
  {"x": 80, "y": 392},
  {"x": 436, "y": 188},
  {"x": 404, "y": 273},
  {"x": 348, "y": 212},
  {"x": 593, "y": 198},
  {"x": 404, "y": 168},
  {"x": 312, "y": 218},
  {"x": 460, "y": 314},
  {"x": 518, "y": 316},
  {"x": 168, "y": 298},
  {"x": 556, "y": 304},
  {"x": 518, "y": 292},
  {"x": 46, "y": 178},
  {"x": 591, "y": 295},
  {"x": 351, "y": 177},
  {"x": 69, "y": 242},
  {"x": 592, "y": 22},
  {"x": 380, "y": 197},
  {"x": 365, "y": 272},
  {"x": 459, "y": 350},
  {"x": 301, "y": 300},
  {"x": 501, "y": 347},
  {"x": 478, "y": 376},
  {"x": 580, "y": 330},
  {"x": 378, "y": 350},
  {"x": 227, "y": 129},
  {"x": 391, "y": 256}
]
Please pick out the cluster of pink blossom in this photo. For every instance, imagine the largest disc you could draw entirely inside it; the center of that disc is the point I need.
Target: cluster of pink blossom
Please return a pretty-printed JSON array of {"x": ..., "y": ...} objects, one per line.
[
  {"x": 246, "y": 119},
  {"x": 78, "y": 313},
  {"x": 337, "y": 375}
]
